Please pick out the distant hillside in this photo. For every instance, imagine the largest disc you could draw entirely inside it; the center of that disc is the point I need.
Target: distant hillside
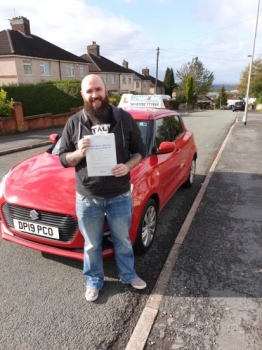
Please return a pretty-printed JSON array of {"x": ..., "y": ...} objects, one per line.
[{"x": 227, "y": 86}]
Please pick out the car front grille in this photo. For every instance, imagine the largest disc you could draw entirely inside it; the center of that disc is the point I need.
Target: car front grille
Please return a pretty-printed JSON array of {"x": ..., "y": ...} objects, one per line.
[{"x": 66, "y": 224}]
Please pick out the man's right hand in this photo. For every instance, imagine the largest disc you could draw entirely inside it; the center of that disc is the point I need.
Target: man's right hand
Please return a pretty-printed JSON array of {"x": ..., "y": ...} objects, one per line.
[
  {"x": 83, "y": 146},
  {"x": 74, "y": 158}
]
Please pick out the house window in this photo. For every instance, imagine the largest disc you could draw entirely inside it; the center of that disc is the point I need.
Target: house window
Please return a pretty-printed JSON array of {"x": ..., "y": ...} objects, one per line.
[
  {"x": 27, "y": 67},
  {"x": 45, "y": 68},
  {"x": 129, "y": 80},
  {"x": 112, "y": 79},
  {"x": 137, "y": 84},
  {"x": 104, "y": 77},
  {"x": 82, "y": 70},
  {"x": 123, "y": 79},
  {"x": 144, "y": 85},
  {"x": 70, "y": 70}
]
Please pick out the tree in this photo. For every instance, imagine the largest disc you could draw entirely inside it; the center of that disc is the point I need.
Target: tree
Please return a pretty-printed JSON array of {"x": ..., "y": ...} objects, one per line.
[
  {"x": 203, "y": 78},
  {"x": 169, "y": 81},
  {"x": 189, "y": 89},
  {"x": 222, "y": 98},
  {"x": 255, "y": 82}
]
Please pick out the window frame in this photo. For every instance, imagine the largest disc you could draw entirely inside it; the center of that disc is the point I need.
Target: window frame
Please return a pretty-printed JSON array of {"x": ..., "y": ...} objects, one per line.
[
  {"x": 27, "y": 63},
  {"x": 81, "y": 70},
  {"x": 112, "y": 79},
  {"x": 70, "y": 70},
  {"x": 44, "y": 67}
]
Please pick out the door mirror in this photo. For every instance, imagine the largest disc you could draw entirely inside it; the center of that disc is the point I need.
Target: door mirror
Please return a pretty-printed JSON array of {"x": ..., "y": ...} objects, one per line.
[{"x": 166, "y": 147}]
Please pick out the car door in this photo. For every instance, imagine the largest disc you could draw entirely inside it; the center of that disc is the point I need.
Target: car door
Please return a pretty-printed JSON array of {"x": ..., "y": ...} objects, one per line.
[
  {"x": 182, "y": 148},
  {"x": 167, "y": 165}
]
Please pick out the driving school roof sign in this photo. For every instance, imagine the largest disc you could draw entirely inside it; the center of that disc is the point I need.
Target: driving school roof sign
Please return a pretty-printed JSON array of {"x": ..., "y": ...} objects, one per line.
[{"x": 141, "y": 101}]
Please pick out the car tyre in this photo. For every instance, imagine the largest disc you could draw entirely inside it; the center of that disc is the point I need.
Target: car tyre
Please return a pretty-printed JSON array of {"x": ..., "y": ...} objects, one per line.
[
  {"x": 191, "y": 176},
  {"x": 147, "y": 228}
]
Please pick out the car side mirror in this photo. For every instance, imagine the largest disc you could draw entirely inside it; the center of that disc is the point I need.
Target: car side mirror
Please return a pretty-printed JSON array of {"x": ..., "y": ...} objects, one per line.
[
  {"x": 53, "y": 138},
  {"x": 166, "y": 147}
]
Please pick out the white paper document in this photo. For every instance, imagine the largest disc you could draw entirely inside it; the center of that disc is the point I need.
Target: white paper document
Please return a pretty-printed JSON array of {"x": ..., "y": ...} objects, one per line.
[{"x": 101, "y": 156}]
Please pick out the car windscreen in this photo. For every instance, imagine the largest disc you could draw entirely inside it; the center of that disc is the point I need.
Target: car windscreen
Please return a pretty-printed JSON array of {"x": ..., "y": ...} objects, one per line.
[{"x": 55, "y": 150}]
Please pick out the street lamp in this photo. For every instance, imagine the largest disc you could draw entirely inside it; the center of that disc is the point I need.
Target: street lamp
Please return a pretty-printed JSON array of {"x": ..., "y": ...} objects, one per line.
[
  {"x": 250, "y": 69},
  {"x": 248, "y": 86}
]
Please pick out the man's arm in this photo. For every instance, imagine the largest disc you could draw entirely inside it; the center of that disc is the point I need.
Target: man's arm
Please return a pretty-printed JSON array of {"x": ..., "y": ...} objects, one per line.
[
  {"x": 133, "y": 161},
  {"x": 123, "y": 169},
  {"x": 74, "y": 158}
]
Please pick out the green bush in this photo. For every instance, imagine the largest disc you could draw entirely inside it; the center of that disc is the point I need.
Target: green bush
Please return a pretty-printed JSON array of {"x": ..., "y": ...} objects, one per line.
[
  {"x": 174, "y": 104},
  {"x": 114, "y": 99},
  {"x": 46, "y": 97},
  {"x": 5, "y": 104}
]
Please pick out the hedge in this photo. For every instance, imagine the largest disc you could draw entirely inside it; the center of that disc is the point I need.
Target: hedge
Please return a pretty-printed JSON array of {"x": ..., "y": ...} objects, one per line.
[
  {"x": 50, "y": 97},
  {"x": 46, "y": 97}
]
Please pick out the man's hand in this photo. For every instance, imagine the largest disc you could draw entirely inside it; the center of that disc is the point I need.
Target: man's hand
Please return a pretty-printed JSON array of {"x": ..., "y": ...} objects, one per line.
[
  {"x": 120, "y": 170},
  {"x": 74, "y": 158},
  {"x": 83, "y": 146}
]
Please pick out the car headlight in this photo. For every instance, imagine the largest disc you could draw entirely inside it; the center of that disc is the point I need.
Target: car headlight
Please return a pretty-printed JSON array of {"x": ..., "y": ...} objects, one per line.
[{"x": 2, "y": 184}]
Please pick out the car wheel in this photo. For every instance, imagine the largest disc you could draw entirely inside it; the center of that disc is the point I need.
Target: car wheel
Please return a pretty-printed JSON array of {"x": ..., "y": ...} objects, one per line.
[
  {"x": 191, "y": 176},
  {"x": 147, "y": 228}
]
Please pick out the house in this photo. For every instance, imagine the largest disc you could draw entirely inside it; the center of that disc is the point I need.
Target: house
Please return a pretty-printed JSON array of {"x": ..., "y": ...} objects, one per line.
[
  {"x": 119, "y": 78},
  {"x": 27, "y": 58},
  {"x": 141, "y": 82},
  {"x": 160, "y": 90}
]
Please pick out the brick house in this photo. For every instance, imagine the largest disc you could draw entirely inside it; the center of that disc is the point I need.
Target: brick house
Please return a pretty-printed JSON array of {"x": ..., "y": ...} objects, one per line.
[{"x": 27, "y": 58}]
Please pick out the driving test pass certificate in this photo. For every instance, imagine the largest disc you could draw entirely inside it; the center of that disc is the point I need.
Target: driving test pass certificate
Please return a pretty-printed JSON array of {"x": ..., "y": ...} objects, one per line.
[{"x": 101, "y": 155}]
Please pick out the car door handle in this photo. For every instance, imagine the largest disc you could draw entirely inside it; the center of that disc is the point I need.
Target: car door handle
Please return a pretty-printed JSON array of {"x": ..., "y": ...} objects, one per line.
[{"x": 178, "y": 150}]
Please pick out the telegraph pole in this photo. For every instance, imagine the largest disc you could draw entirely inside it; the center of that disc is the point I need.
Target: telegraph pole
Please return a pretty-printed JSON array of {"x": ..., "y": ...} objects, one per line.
[{"x": 157, "y": 55}]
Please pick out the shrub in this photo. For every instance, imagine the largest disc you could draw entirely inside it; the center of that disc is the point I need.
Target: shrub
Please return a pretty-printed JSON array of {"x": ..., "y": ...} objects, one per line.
[
  {"x": 174, "y": 104},
  {"x": 5, "y": 104},
  {"x": 114, "y": 99}
]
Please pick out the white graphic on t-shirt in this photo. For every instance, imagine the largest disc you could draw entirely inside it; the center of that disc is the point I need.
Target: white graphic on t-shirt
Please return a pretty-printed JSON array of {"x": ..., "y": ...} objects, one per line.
[{"x": 100, "y": 129}]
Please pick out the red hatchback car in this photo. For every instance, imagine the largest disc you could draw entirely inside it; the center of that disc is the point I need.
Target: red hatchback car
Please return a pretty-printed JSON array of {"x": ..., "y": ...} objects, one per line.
[{"x": 37, "y": 196}]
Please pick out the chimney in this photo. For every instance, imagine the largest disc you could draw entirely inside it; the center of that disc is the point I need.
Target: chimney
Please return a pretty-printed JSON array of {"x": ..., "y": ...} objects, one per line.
[
  {"x": 21, "y": 24},
  {"x": 145, "y": 72},
  {"x": 94, "y": 49},
  {"x": 125, "y": 64}
]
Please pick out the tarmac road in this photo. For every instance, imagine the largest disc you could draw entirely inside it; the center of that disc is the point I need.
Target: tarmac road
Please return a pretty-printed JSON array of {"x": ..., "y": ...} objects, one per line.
[{"x": 42, "y": 299}]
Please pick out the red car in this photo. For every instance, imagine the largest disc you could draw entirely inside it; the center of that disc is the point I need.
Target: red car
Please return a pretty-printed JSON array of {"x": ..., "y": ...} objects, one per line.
[{"x": 37, "y": 196}]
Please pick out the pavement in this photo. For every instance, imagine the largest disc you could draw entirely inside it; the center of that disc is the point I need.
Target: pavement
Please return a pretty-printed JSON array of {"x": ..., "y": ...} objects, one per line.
[{"x": 209, "y": 293}]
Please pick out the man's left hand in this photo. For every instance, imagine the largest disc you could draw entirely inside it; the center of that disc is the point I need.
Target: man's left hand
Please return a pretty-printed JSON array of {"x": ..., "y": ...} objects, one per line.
[{"x": 120, "y": 170}]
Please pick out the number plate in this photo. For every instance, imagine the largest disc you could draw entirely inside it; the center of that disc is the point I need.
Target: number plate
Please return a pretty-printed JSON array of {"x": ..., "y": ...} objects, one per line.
[{"x": 36, "y": 229}]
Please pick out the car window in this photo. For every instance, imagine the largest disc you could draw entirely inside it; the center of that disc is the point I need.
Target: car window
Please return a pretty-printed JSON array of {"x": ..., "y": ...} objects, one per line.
[
  {"x": 164, "y": 131},
  {"x": 143, "y": 125},
  {"x": 176, "y": 126}
]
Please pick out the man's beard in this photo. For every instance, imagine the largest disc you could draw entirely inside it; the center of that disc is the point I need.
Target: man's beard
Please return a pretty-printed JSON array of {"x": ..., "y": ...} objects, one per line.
[{"x": 98, "y": 115}]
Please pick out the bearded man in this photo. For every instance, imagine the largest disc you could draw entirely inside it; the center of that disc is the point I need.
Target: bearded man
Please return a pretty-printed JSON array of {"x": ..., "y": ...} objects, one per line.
[{"x": 110, "y": 195}]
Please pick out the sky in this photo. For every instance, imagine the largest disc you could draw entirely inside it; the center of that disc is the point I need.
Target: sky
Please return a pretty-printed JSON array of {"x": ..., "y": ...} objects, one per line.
[{"x": 220, "y": 33}]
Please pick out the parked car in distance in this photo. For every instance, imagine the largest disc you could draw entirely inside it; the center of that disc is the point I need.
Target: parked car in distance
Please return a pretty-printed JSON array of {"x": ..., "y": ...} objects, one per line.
[
  {"x": 238, "y": 106},
  {"x": 223, "y": 107},
  {"x": 37, "y": 196}
]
